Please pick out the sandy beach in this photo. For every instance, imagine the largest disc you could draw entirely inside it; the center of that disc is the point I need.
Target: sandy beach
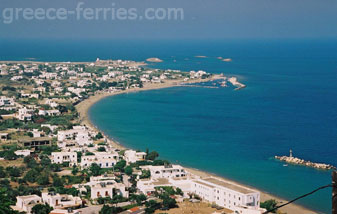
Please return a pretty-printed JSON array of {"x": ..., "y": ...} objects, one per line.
[{"x": 85, "y": 105}]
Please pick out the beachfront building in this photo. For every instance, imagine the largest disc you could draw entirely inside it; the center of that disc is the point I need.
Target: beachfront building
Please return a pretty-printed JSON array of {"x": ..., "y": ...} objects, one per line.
[
  {"x": 26, "y": 203},
  {"x": 148, "y": 186},
  {"x": 167, "y": 171},
  {"x": 132, "y": 156},
  {"x": 228, "y": 195},
  {"x": 62, "y": 157},
  {"x": 58, "y": 201},
  {"x": 102, "y": 159}
]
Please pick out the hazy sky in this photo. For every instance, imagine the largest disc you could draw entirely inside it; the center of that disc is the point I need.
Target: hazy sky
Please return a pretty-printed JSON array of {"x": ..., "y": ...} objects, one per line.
[{"x": 202, "y": 19}]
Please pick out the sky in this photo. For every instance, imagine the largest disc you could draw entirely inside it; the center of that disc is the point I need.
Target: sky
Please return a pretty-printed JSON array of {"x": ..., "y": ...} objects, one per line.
[{"x": 202, "y": 19}]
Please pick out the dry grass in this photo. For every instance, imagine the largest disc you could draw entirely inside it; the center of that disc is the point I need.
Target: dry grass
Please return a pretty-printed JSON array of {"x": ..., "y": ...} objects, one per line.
[
  {"x": 18, "y": 163},
  {"x": 195, "y": 208}
]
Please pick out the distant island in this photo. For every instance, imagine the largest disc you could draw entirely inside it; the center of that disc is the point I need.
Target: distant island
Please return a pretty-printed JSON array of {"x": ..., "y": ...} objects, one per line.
[{"x": 154, "y": 59}]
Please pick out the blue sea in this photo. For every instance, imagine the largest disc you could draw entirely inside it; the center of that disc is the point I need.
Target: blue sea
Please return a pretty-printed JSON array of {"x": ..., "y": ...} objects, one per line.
[{"x": 289, "y": 103}]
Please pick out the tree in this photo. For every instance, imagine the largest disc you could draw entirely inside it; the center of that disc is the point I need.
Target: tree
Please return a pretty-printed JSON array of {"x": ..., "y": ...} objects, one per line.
[
  {"x": 169, "y": 202},
  {"x": 8, "y": 155},
  {"x": 45, "y": 161},
  {"x": 151, "y": 206},
  {"x": 43, "y": 179},
  {"x": 30, "y": 162},
  {"x": 110, "y": 210},
  {"x": 99, "y": 135},
  {"x": 95, "y": 169},
  {"x": 120, "y": 165},
  {"x": 128, "y": 170},
  {"x": 152, "y": 155},
  {"x": 75, "y": 170},
  {"x": 41, "y": 209},
  {"x": 101, "y": 149},
  {"x": 5, "y": 203},
  {"x": 31, "y": 175},
  {"x": 2, "y": 172},
  {"x": 13, "y": 171},
  {"x": 57, "y": 181},
  {"x": 145, "y": 174},
  {"x": 269, "y": 204},
  {"x": 138, "y": 198},
  {"x": 79, "y": 156}
]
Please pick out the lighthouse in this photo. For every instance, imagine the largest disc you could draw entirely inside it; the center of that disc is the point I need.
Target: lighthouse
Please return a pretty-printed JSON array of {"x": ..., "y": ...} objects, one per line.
[{"x": 290, "y": 153}]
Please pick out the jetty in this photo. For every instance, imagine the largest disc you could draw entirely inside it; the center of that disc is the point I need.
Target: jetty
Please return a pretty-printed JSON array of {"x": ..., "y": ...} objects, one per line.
[
  {"x": 234, "y": 81},
  {"x": 297, "y": 161}
]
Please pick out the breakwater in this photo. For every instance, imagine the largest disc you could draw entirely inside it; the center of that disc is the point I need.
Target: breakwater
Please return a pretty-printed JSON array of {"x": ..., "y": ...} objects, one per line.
[{"x": 298, "y": 161}]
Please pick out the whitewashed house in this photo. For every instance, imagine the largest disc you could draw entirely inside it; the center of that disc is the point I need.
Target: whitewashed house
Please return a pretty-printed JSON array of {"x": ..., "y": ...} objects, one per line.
[
  {"x": 62, "y": 157},
  {"x": 25, "y": 114},
  {"x": 58, "y": 201},
  {"x": 6, "y": 101},
  {"x": 102, "y": 159},
  {"x": 26, "y": 203},
  {"x": 131, "y": 156},
  {"x": 167, "y": 171}
]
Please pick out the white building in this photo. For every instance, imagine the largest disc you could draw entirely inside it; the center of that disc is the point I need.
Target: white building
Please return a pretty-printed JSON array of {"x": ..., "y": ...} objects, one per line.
[
  {"x": 25, "y": 114},
  {"x": 5, "y": 101},
  {"x": 132, "y": 156},
  {"x": 62, "y": 157},
  {"x": 147, "y": 186},
  {"x": 24, "y": 152},
  {"x": 102, "y": 159},
  {"x": 26, "y": 203},
  {"x": 102, "y": 186},
  {"x": 167, "y": 171},
  {"x": 79, "y": 133},
  {"x": 58, "y": 201},
  {"x": 228, "y": 195},
  {"x": 53, "y": 112}
]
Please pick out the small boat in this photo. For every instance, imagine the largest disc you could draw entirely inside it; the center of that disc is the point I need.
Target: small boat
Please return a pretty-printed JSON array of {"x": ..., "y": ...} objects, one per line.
[{"x": 285, "y": 164}]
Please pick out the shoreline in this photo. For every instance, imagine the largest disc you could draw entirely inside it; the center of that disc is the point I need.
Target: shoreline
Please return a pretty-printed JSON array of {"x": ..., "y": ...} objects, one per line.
[{"x": 84, "y": 106}]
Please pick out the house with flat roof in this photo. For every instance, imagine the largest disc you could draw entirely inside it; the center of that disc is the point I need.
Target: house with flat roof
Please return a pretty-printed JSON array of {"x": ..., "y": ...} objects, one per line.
[
  {"x": 62, "y": 157},
  {"x": 167, "y": 171},
  {"x": 102, "y": 159},
  {"x": 227, "y": 194},
  {"x": 26, "y": 203},
  {"x": 24, "y": 152},
  {"x": 132, "y": 156},
  {"x": 61, "y": 201},
  {"x": 35, "y": 142}
]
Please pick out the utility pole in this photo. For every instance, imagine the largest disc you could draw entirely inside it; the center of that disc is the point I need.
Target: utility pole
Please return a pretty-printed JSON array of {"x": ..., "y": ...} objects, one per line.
[{"x": 334, "y": 192}]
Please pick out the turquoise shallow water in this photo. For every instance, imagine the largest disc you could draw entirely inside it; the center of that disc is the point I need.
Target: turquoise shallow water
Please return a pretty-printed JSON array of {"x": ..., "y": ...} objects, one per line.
[{"x": 290, "y": 102}]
